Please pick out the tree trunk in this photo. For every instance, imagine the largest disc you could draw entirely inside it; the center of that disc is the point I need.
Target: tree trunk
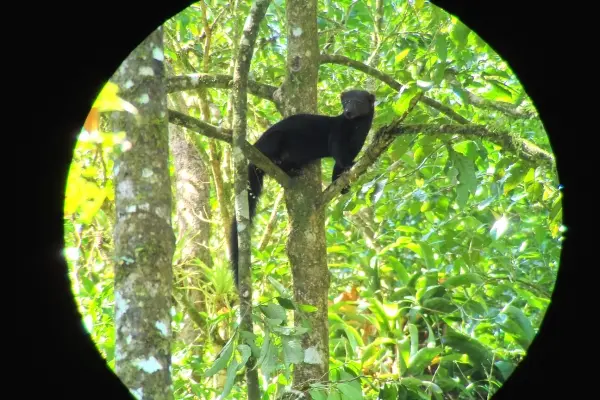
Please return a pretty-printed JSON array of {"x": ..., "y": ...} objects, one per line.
[
  {"x": 144, "y": 240},
  {"x": 306, "y": 245},
  {"x": 192, "y": 183},
  {"x": 239, "y": 124}
]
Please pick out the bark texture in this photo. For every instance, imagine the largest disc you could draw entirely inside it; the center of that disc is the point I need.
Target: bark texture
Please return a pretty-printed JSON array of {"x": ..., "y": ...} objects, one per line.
[
  {"x": 239, "y": 100},
  {"x": 306, "y": 245},
  {"x": 144, "y": 240},
  {"x": 192, "y": 191}
]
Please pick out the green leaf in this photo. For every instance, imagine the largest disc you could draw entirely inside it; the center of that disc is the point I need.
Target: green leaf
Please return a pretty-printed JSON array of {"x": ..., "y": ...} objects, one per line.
[
  {"x": 221, "y": 360},
  {"x": 400, "y": 146},
  {"x": 460, "y": 34},
  {"x": 463, "y": 280},
  {"x": 353, "y": 335},
  {"x": 231, "y": 373},
  {"x": 388, "y": 392},
  {"x": 478, "y": 354},
  {"x": 371, "y": 348},
  {"x": 285, "y": 303},
  {"x": 419, "y": 155},
  {"x": 349, "y": 391},
  {"x": 466, "y": 177},
  {"x": 461, "y": 95},
  {"x": 273, "y": 311},
  {"x": 441, "y": 47},
  {"x": 292, "y": 351},
  {"x": 437, "y": 75},
  {"x": 519, "y": 325},
  {"x": 439, "y": 304},
  {"x": 506, "y": 368},
  {"x": 414, "y": 338},
  {"x": 278, "y": 286},
  {"x": 264, "y": 350},
  {"x": 433, "y": 291},
  {"x": 403, "y": 102},
  {"x": 249, "y": 339},
  {"x": 419, "y": 361},
  {"x": 334, "y": 394},
  {"x": 427, "y": 254},
  {"x": 516, "y": 174},
  {"x": 245, "y": 352},
  {"x": 399, "y": 269},
  {"x": 317, "y": 394},
  {"x": 307, "y": 308},
  {"x": 401, "y": 56},
  {"x": 270, "y": 361}
]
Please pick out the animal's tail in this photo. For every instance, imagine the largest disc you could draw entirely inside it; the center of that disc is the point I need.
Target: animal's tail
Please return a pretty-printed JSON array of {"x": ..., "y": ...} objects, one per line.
[{"x": 255, "y": 179}]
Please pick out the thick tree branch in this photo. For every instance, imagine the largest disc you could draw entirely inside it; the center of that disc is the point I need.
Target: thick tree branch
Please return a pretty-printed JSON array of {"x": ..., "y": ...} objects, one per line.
[
  {"x": 252, "y": 153},
  {"x": 391, "y": 82},
  {"x": 217, "y": 81}
]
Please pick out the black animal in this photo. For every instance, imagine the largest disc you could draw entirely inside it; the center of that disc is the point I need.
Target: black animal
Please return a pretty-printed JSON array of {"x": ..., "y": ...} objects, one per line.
[{"x": 300, "y": 139}]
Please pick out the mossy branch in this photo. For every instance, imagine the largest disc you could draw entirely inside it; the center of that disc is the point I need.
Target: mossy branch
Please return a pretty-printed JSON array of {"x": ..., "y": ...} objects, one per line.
[{"x": 218, "y": 81}]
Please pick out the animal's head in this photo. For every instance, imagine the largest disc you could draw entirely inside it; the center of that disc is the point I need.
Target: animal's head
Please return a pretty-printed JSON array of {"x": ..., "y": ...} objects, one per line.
[{"x": 357, "y": 103}]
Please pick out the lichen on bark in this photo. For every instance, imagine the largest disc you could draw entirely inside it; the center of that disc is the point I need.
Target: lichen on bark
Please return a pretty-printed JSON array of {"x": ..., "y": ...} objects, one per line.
[
  {"x": 306, "y": 244},
  {"x": 144, "y": 239}
]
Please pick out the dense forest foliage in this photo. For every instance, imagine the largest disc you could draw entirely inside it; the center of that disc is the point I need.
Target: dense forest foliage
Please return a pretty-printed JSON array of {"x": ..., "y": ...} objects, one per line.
[{"x": 442, "y": 257}]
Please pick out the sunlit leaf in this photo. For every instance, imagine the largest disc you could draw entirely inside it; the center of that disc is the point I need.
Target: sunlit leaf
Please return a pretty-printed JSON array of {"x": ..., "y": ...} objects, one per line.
[
  {"x": 499, "y": 228},
  {"x": 401, "y": 56},
  {"x": 441, "y": 47}
]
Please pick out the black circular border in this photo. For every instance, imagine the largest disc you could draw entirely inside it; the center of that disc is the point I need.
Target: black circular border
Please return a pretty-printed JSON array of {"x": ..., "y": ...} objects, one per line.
[{"x": 67, "y": 55}]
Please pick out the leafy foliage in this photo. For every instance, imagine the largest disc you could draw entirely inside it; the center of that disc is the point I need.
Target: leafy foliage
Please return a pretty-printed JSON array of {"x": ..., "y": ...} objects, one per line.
[{"x": 443, "y": 257}]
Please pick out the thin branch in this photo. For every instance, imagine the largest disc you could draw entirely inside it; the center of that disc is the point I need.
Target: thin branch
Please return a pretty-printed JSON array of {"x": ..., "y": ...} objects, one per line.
[
  {"x": 240, "y": 100},
  {"x": 386, "y": 135},
  {"x": 219, "y": 81},
  {"x": 522, "y": 147},
  {"x": 506, "y": 108},
  {"x": 271, "y": 224},
  {"x": 394, "y": 84},
  {"x": 254, "y": 155}
]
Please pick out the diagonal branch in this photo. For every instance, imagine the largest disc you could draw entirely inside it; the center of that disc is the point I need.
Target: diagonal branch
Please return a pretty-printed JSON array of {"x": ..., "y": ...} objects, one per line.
[
  {"x": 218, "y": 81},
  {"x": 252, "y": 153},
  {"x": 511, "y": 142},
  {"x": 477, "y": 101},
  {"x": 386, "y": 135},
  {"x": 391, "y": 82}
]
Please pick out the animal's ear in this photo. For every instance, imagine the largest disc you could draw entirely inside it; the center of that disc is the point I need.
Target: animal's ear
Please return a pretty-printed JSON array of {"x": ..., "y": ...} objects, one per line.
[{"x": 372, "y": 98}]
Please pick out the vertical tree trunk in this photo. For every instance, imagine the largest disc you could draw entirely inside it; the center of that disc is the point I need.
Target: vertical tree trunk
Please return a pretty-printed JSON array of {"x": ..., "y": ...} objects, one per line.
[
  {"x": 192, "y": 185},
  {"x": 306, "y": 245},
  {"x": 240, "y": 99},
  {"x": 144, "y": 240}
]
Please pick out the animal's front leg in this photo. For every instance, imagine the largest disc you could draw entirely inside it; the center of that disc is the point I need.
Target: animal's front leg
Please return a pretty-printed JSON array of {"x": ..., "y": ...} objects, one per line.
[{"x": 337, "y": 171}]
